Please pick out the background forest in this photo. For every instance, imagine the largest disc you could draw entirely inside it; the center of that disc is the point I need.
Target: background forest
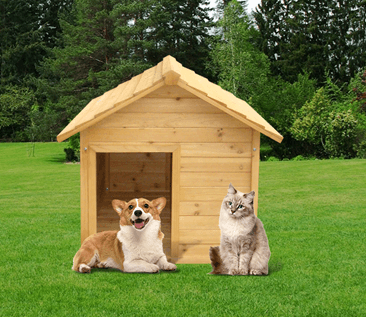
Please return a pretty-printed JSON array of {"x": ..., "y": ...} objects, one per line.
[{"x": 300, "y": 63}]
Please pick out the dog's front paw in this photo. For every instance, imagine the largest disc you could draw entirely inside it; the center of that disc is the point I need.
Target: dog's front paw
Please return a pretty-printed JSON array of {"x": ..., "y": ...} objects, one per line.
[
  {"x": 152, "y": 268},
  {"x": 169, "y": 267},
  {"x": 83, "y": 268}
]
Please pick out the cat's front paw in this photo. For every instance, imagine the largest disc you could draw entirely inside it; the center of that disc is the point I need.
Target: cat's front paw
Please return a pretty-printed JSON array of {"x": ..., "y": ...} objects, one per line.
[
  {"x": 255, "y": 272},
  {"x": 233, "y": 272},
  {"x": 243, "y": 272},
  {"x": 152, "y": 268},
  {"x": 169, "y": 267}
]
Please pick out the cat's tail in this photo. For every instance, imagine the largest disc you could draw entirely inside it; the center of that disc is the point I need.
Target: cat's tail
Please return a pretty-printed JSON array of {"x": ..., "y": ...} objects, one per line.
[{"x": 216, "y": 261}]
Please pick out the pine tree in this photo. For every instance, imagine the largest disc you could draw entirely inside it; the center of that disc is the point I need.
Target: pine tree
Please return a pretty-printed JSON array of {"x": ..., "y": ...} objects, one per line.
[
  {"x": 27, "y": 31},
  {"x": 183, "y": 32},
  {"x": 241, "y": 67},
  {"x": 150, "y": 30},
  {"x": 318, "y": 37}
]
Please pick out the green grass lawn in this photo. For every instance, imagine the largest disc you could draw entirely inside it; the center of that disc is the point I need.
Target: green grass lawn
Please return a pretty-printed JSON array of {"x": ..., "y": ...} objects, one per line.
[{"x": 314, "y": 213}]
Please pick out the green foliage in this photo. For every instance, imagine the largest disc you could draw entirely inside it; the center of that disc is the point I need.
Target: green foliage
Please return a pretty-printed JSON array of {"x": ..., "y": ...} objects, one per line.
[
  {"x": 73, "y": 148},
  {"x": 329, "y": 39},
  {"x": 44, "y": 126},
  {"x": 331, "y": 133},
  {"x": 357, "y": 87},
  {"x": 15, "y": 105},
  {"x": 242, "y": 69},
  {"x": 106, "y": 43},
  {"x": 279, "y": 102},
  {"x": 299, "y": 158},
  {"x": 28, "y": 29}
]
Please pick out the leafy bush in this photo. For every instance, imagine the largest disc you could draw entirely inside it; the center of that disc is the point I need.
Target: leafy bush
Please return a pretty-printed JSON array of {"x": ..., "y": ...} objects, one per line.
[
  {"x": 73, "y": 148},
  {"x": 15, "y": 105},
  {"x": 341, "y": 134},
  {"x": 329, "y": 132},
  {"x": 299, "y": 158},
  {"x": 44, "y": 125},
  {"x": 279, "y": 101}
]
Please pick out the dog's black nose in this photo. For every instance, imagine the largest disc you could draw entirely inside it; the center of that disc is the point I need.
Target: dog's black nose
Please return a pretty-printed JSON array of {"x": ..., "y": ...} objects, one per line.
[{"x": 138, "y": 213}]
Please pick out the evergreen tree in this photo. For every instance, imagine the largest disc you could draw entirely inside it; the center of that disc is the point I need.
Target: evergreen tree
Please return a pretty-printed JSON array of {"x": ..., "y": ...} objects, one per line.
[
  {"x": 222, "y": 4},
  {"x": 27, "y": 31},
  {"x": 315, "y": 36},
  {"x": 150, "y": 30},
  {"x": 242, "y": 68},
  {"x": 107, "y": 42},
  {"x": 70, "y": 77}
]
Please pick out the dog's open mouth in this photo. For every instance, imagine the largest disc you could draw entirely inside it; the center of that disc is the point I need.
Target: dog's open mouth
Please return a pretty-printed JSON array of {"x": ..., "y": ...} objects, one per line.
[{"x": 139, "y": 223}]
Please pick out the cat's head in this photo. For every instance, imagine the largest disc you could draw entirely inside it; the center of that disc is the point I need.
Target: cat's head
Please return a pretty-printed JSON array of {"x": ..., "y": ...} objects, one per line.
[{"x": 238, "y": 204}]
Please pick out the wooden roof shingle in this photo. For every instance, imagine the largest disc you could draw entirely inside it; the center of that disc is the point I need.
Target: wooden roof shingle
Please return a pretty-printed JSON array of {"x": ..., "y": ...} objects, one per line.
[{"x": 167, "y": 72}]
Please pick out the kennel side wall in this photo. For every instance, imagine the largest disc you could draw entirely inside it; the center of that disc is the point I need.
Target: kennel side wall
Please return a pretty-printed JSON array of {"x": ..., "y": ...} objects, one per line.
[{"x": 214, "y": 150}]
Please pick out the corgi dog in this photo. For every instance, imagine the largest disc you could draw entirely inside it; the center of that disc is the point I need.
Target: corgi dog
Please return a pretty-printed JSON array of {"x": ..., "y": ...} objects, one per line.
[{"x": 136, "y": 247}]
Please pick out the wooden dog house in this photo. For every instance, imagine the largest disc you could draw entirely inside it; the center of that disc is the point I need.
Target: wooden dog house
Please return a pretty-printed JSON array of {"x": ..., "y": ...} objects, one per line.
[{"x": 167, "y": 132}]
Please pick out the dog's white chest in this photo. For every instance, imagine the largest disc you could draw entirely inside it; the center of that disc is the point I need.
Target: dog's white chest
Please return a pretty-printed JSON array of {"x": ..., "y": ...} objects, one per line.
[{"x": 141, "y": 245}]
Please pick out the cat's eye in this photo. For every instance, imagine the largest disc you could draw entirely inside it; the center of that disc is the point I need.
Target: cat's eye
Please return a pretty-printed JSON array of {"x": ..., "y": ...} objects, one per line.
[
  {"x": 230, "y": 203},
  {"x": 241, "y": 206}
]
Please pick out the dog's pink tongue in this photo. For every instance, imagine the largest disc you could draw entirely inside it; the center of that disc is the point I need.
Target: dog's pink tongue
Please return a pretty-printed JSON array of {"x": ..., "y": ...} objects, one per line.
[{"x": 139, "y": 225}]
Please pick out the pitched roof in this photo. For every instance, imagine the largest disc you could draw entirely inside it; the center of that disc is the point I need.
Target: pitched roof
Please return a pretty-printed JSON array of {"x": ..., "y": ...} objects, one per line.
[{"x": 167, "y": 72}]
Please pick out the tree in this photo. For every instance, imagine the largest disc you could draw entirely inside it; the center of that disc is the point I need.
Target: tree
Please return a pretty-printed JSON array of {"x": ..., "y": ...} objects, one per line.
[
  {"x": 318, "y": 37},
  {"x": 15, "y": 105},
  {"x": 69, "y": 77},
  {"x": 326, "y": 130},
  {"x": 150, "y": 30},
  {"x": 242, "y": 69},
  {"x": 107, "y": 42},
  {"x": 184, "y": 33},
  {"x": 27, "y": 31}
]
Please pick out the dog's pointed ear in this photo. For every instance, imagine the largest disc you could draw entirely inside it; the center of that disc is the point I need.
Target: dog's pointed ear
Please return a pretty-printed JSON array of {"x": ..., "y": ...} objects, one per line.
[
  {"x": 159, "y": 204},
  {"x": 118, "y": 205},
  {"x": 231, "y": 190},
  {"x": 250, "y": 196}
]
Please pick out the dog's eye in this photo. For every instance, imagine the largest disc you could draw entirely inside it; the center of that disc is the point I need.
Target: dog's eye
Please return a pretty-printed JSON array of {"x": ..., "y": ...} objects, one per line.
[
  {"x": 130, "y": 207},
  {"x": 146, "y": 206}
]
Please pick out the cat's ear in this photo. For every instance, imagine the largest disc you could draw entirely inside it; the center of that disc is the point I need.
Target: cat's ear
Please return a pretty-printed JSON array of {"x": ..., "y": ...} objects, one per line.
[
  {"x": 250, "y": 196},
  {"x": 231, "y": 190}
]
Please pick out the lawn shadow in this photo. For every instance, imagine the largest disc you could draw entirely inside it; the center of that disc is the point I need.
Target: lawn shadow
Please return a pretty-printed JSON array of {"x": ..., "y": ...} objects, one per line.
[
  {"x": 274, "y": 267},
  {"x": 57, "y": 159},
  {"x": 111, "y": 270}
]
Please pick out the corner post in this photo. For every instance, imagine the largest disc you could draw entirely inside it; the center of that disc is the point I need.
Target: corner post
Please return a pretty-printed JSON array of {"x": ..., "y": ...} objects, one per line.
[{"x": 255, "y": 166}]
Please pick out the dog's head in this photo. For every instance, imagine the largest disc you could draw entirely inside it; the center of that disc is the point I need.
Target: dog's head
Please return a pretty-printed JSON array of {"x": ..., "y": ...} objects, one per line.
[{"x": 138, "y": 212}]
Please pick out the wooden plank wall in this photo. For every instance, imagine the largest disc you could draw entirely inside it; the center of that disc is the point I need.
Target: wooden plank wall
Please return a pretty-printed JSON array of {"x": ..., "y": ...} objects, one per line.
[{"x": 216, "y": 149}]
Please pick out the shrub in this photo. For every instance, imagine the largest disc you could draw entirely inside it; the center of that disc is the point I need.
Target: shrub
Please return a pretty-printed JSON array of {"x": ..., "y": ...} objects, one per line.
[
  {"x": 341, "y": 134},
  {"x": 73, "y": 148},
  {"x": 325, "y": 131},
  {"x": 15, "y": 105},
  {"x": 299, "y": 158}
]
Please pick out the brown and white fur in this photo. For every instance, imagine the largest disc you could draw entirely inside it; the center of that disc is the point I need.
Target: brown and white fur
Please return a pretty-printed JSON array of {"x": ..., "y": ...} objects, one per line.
[
  {"x": 136, "y": 247},
  {"x": 244, "y": 245}
]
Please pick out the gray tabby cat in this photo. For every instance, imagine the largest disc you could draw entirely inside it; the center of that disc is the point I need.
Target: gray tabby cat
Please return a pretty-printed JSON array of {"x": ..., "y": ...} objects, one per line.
[{"x": 244, "y": 245}]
